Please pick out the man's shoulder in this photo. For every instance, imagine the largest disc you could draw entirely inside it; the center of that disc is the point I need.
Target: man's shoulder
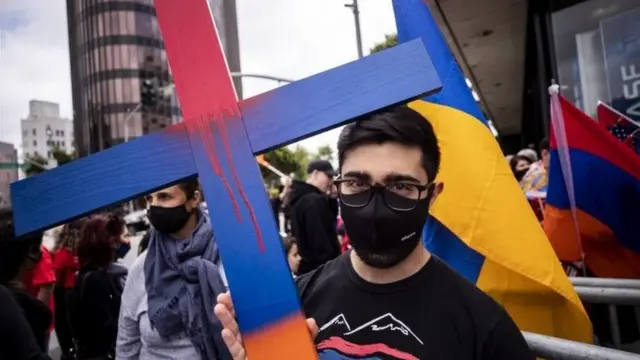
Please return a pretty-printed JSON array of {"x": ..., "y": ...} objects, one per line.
[{"x": 320, "y": 278}]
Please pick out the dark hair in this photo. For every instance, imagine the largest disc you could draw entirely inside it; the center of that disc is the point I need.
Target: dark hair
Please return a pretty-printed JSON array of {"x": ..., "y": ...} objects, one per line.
[
  {"x": 515, "y": 159},
  {"x": 544, "y": 144},
  {"x": 190, "y": 187},
  {"x": 399, "y": 124},
  {"x": 13, "y": 251},
  {"x": 70, "y": 234},
  {"x": 288, "y": 242},
  {"x": 99, "y": 235}
]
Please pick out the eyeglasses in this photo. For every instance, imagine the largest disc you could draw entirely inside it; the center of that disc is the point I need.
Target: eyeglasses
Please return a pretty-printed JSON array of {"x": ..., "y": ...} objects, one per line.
[{"x": 399, "y": 196}]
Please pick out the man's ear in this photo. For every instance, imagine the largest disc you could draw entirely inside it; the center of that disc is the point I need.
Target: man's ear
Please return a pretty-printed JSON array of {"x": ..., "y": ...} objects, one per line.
[{"x": 438, "y": 188}]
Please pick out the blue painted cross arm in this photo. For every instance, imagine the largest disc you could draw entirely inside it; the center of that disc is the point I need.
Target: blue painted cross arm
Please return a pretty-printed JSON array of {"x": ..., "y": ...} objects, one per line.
[{"x": 273, "y": 119}]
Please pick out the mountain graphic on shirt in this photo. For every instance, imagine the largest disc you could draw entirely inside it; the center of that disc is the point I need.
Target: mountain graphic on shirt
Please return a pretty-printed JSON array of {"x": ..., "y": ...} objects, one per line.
[
  {"x": 336, "y": 347},
  {"x": 384, "y": 323}
]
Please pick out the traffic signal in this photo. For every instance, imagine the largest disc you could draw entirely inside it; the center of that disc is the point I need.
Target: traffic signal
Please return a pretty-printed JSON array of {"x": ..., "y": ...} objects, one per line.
[{"x": 148, "y": 93}]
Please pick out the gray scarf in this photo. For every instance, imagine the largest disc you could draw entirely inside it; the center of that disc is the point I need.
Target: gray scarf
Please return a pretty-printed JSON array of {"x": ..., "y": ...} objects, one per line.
[{"x": 182, "y": 282}]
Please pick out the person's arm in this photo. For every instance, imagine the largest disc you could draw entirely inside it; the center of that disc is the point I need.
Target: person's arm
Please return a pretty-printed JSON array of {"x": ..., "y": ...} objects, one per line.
[
  {"x": 128, "y": 344},
  {"x": 506, "y": 342},
  {"x": 322, "y": 239},
  {"x": 16, "y": 336}
]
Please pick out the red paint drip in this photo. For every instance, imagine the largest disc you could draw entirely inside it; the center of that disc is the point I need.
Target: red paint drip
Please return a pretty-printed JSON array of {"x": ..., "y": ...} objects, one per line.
[
  {"x": 236, "y": 179},
  {"x": 201, "y": 127}
]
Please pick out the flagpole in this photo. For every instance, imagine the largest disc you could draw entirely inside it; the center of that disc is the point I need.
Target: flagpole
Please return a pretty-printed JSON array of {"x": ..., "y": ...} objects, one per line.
[{"x": 562, "y": 144}]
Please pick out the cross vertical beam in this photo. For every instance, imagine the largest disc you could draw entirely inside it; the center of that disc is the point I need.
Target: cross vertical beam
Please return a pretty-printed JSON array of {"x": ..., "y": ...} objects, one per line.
[{"x": 242, "y": 220}]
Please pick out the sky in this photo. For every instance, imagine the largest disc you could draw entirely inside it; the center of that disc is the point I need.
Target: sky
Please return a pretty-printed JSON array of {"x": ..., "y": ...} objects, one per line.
[{"x": 286, "y": 38}]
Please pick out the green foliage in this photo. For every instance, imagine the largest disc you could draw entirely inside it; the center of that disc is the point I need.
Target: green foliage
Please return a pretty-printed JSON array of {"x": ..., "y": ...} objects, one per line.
[
  {"x": 35, "y": 164},
  {"x": 324, "y": 152},
  {"x": 61, "y": 156},
  {"x": 390, "y": 40},
  {"x": 288, "y": 161}
]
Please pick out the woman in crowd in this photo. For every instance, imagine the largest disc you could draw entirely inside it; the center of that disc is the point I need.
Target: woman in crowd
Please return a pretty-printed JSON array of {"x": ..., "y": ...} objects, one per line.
[
  {"x": 65, "y": 265},
  {"x": 23, "y": 318},
  {"x": 293, "y": 256},
  {"x": 95, "y": 303},
  {"x": 167, "y": 310}
]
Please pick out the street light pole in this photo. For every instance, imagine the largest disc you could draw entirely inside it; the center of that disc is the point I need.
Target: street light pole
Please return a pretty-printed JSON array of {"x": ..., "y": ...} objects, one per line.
[{"x": 356, "y": 15}]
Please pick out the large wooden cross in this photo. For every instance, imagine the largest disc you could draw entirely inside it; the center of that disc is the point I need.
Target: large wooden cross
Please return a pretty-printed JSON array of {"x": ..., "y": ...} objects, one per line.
[{"x": 218, "y": 141}]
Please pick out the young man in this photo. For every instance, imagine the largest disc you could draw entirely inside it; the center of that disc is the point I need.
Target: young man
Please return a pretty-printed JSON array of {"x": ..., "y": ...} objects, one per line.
[
  {"x": 313, "y": 220},
  {"x": 389, "y": 298}
]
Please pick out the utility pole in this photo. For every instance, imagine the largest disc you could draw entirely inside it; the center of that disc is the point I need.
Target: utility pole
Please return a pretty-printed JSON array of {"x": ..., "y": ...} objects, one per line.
[{"x": 356, "y": 15}]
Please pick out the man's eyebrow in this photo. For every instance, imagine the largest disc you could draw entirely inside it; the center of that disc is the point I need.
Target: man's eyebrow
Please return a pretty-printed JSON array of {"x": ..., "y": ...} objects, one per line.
[
  {"x": 396, "y": 177},
  {"x": 358, "y": 175}
]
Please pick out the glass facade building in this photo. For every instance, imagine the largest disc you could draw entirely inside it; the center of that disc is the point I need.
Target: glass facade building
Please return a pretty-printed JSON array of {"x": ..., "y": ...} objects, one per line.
[
  {"x": 115, "y": 45},
  {"x": 597, "y": 46}
]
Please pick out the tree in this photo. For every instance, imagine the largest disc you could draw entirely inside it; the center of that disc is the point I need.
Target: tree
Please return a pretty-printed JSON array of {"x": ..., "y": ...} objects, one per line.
[
  {"x": 390, "y": 40},
  {"x": 35, "y": 164},
  {"x": 288, "y": 161},
  {"x": 324, "y": 152},
  {"x": 61, "y": 156}
]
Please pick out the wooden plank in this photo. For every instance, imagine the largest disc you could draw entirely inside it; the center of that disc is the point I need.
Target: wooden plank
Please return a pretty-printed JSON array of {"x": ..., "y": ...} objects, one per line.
[
  {"x": 332, "y": 98},
  {"x": 268, "y": 312},
  {"x": 156, "y": 160}
]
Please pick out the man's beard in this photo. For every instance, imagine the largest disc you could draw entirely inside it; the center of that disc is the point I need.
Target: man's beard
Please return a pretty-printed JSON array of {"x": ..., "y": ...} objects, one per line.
[{"x": 388, "y": 258}]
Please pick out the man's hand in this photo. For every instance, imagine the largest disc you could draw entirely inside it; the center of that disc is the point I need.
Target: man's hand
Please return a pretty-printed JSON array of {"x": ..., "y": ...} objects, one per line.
[{"x": 231, "y": 332}]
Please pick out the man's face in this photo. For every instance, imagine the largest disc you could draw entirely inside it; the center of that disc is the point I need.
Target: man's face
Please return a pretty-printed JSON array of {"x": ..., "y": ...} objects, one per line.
[
  {"x": 386, "y": 164},
  {"x": 322, "y": 180},
  {"x": 173, "y": 196}
]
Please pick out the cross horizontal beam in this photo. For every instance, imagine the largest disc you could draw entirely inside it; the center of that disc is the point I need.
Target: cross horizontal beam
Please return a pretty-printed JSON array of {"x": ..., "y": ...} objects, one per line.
[{"x": 312, "y": 105}]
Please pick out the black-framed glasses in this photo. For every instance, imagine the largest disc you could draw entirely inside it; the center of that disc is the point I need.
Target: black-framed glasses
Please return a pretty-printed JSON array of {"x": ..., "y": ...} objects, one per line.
[{"x": 399, "y": 196}]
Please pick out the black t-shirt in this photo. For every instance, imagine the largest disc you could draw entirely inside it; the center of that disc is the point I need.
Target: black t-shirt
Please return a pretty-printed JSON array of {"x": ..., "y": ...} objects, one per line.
[{"x": 434, "y": 314}]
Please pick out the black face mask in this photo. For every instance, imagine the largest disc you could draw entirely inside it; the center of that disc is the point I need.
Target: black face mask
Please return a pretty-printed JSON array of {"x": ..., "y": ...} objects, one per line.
[
  {"x": 168, "y": 220},
  {"x": 383, "y": 237},
  {"x": 520, "y": 174}
]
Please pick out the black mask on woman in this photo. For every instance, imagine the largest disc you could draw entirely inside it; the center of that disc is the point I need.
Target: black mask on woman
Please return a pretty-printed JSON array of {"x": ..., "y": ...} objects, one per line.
[
  {"x": 520, "y": 174},
  {"x": 168, "y": 220},
  {"x": 383, "y": 237}
]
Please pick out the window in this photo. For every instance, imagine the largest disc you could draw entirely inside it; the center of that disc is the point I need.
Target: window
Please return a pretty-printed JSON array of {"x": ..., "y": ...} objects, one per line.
[
  {"x": 33, "y": 132},
  {"x": 63, "y": 144},
  {"x": 61, "y": 132},
  {"x": 49, "y": 155},
  {"x": 35, "y": 143}
]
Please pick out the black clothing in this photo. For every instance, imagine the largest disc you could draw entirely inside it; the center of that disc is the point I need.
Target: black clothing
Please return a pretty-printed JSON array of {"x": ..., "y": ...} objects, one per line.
[
  {"x": 61, "y": 319},
  {"x": 434, "y": 314},
  {"x": 17, "y": 339},
  {"x": 276, "y": 204},
  {"x": 313, "y": 224},
  {"x": 94, "y": 310}
]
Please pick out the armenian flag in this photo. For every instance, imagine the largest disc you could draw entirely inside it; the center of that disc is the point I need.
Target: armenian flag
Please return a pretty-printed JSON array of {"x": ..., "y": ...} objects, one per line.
[
  {"x": 482, "y": 224},
  {"x": 606, "y": 192}
]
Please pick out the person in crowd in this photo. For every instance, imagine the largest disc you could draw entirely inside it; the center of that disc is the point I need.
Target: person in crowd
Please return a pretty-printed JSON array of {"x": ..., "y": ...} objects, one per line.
[
  {"x": 276, "y": 203},
  {"x": 535, "y": 177},
  {"x": 23, "y": 318},
  {"x": 398, "y": 300},
  {"x": 313, "y": 221},
  {"x": 95, "y": 302},
  {"x": 65, "y": 265},
  {"x": 345, "y": 244},
  {"x": 40, "y": 281},
  {"x": 293, "y": 256},
  {"x": 167, "y": 301},
  {"x": 545, "y": 153}
]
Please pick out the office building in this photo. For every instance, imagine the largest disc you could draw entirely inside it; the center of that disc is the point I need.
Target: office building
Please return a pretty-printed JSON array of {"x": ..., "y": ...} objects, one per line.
[
  {"x": 120, "y": 77},
  {"x": 8, "y": 171},
  {"x": 43, "y": 130}
]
